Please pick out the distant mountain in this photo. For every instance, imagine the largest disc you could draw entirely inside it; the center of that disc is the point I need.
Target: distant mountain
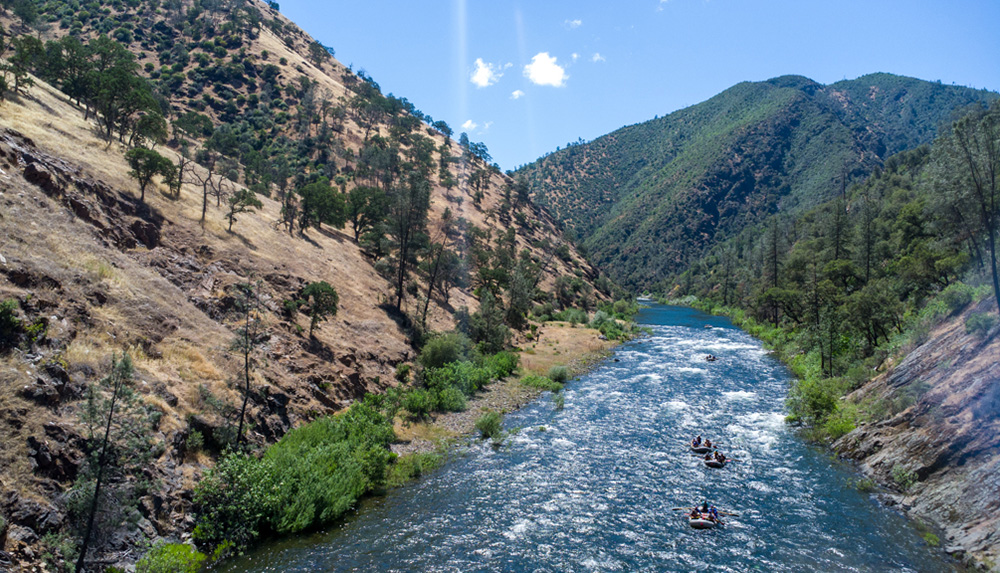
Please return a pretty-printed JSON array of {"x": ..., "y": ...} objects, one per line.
[{"x": 649, "y": 198}]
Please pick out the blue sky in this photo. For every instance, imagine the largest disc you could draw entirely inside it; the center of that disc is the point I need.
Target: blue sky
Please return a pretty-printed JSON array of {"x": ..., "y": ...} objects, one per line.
[{"x": 525, "y": 77}]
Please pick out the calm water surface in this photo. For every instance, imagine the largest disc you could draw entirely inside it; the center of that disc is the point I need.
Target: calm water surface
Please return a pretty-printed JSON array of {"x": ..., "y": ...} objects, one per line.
[{"x": 593, "y": 490}]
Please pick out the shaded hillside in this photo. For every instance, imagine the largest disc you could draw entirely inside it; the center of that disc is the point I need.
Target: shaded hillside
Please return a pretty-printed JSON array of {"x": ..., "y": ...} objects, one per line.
[{"x": 648, "y": 199}]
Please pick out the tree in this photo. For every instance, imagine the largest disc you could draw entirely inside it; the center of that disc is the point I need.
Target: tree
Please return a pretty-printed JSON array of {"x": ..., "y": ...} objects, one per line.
[
  {"x": 146, "y": 163},
  {"x": 27, "y": 51},
  {"x": 120, "y": 441},
  {"x": 487, "y": 325},
  {"x": 114, "y": 88},
  {"x": 249, "y": 336},
  {"x": 407, "y": 222},
  {"x": 968, "y": 161},
  {"x": 322, "y": 300},
  {"x": 242, "y": 201},
  {"x": 320, "y": 204},
  {"x": 366, "y": 207},
  {"x": 208, "y": 180}
]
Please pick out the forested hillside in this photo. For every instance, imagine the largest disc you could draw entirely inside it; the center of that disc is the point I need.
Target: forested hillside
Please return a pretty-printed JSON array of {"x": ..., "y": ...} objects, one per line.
[
  {"x": 648, "y": 200},
  {"x": 217, "y": 237}
]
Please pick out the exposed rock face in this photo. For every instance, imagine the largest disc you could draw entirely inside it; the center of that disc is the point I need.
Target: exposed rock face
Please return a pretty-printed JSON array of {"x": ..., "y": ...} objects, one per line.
[
  {"x": 120, "y": 219},
  {"x": 946, "y": 432}
]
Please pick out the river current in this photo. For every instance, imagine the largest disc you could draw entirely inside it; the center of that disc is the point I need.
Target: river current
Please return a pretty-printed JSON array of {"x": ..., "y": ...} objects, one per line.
[{"x": 592, "y": 487}]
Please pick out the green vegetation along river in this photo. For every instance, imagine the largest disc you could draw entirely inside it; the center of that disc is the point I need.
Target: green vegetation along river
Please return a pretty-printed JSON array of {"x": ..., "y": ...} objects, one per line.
[{"x": 591, "y": 487}]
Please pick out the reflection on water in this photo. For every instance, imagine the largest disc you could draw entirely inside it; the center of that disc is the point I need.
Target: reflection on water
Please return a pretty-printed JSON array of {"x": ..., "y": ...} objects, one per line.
[{"x": 592, "y": 487}]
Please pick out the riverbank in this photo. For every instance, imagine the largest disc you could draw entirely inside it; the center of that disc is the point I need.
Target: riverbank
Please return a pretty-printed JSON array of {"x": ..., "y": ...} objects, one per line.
[
  {"x": 924, "y": 426},
  {"x": 556, "y": 344},
  {"x": 591, "y": 486}
]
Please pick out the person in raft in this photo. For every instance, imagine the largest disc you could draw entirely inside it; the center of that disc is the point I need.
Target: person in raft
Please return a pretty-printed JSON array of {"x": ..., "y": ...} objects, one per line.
[
  {"x": 708, "y": 443},
  {"x": 696, "y": 442},
  {"x": 708, "y": 456},
  {"x": 719, "y": 456}
]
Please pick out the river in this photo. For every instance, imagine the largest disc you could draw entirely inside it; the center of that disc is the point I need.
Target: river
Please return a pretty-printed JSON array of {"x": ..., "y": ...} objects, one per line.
[{"x": 591, "y": 487}]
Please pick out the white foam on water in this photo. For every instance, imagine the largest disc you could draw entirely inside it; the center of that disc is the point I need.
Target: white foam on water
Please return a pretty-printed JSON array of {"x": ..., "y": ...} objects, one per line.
[
  {"x": 675, "y": 405},
  {"x": 739, "y": 395},
  {"x": 563, "y": 443},
  {"x": 518, "y": 530},
  {"x": 691, "y": 370}
]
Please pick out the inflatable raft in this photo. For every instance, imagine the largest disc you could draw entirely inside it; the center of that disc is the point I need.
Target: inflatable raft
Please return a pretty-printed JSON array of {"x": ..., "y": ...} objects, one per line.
[
  {"x": 701, "y": 522},
  {"x": 701, "y": 449},
  {"x": 715, "y": 464}
]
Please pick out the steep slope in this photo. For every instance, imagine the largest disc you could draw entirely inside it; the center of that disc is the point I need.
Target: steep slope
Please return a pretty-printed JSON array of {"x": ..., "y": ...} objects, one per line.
[
  {"x": 650, "y": 198},
  {"x": 95, "y": 271},
  {"x": 946, "y": 441}
]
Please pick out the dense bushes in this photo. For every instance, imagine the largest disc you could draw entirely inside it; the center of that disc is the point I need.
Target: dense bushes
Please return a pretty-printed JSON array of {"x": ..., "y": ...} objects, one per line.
[
  {"x": 311, "y": 477},
  {"x": 448, "y": 385},
  {"x": 445, "y": 348}
]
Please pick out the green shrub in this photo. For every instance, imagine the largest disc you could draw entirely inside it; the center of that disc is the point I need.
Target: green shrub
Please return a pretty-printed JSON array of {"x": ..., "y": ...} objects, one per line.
[
  {"x": 490, "y": 425},
  {"x": 444, "y": 349},
  {"x": 419, "y": 403},
  {"x": 957, "y": 296},
  {"x": 10, "y": 325},
  {"x": 411, "y": 466},
  {"x": 932, "y": 540},
  {"x": 559, "y": 374},
  {"x": 171, "y": 558},
  {"x": 812, "y": 400},
  {"x": 839, "y": 424},
  {"x": 502, "y": 364},
  {"x": 312, "y": 476},
  {"x": 327, "y": 465},
  {"x": 451, "y": 399},
  {"x": 234, "y": 501},
  {"x": 195, "y": 442},
  {"x": 980, "y": 323},
  {"x": 864, "y": 485},
  {"x": 573, "y": 316},
  {"x": 904, "y": 478},
  {"x": 541, "y": 383},
  {"x": 559, "y": 400},
  {"x": 403, "y": 373}
]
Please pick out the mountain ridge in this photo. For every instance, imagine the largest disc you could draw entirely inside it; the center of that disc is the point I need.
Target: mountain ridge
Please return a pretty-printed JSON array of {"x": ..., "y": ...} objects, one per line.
[{"x": 754, "y": 149}]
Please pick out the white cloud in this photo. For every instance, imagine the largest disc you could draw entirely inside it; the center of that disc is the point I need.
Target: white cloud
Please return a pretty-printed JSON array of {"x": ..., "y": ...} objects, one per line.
[
  {"x": 575, "y": 56},
  {"x": 659, "y": 7},
  {"x": 469, "y": 125},
  {"x": 597, "y": 57},
  {"x": 486, "y": 74},
  {"x": 571, "y": 24},
  {"x": 544, "y": 71},
  {"x": 516, "y": 94},
  {"x": 487, "y": 125}
]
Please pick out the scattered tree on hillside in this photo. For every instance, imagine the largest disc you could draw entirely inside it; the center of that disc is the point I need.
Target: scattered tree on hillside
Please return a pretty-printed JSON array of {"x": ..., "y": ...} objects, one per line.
[
  {"x": 119, "y": 432},
  {"x": 322, "y": 301},
  {"x": 145, "y": 164},
  {"x": 241, "y": 201},
  {"x": 250, "y": 335},
  {"x": 320, "y": 203}
]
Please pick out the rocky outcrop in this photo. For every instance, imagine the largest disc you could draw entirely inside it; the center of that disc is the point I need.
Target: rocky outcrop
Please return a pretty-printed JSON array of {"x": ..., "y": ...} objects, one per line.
[
  {"x": 938, "y": 443},
  {"x": 119, "y": 219}
]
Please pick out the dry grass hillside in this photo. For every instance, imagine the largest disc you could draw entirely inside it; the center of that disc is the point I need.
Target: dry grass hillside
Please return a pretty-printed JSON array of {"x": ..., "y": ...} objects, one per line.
[{"x": 97, "y": 272}]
